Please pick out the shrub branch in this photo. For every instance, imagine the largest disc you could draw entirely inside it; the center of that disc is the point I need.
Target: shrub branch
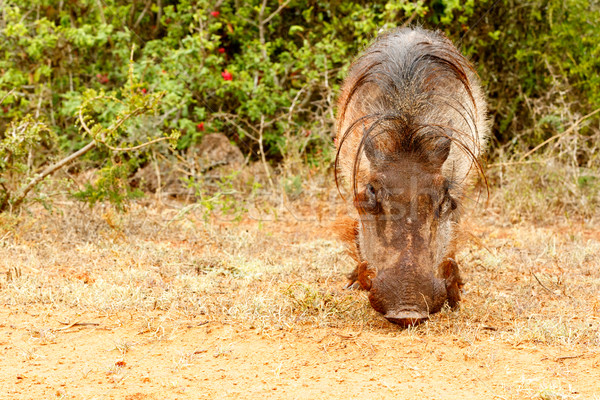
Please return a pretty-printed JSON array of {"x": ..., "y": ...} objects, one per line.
[
  {"x": 559, "y": 135},
  {"x": 98, "y": 133},
  {"x": 50, "y": 170}
]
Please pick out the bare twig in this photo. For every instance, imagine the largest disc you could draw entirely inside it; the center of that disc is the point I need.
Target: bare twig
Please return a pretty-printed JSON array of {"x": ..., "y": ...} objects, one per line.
[
  {"x": 261, "y": 29},
  {"x": 76, "y": 323},
  {"x": 139, "y": 146},
  {"x": 232, "y": 122},
  {"x": 158, "y": 179},
  {"x": 510, "y": 163},
  {"x": 291, "y": 109},
  {"x": 561, "y": 358},
  {"x": 542, "y": 285},
  {"x": 575, "y": 125},
  {"x": 262, "y": 152},
  {"x": 11, "y": 91},
  {"x": 213, "y": 165},
  {"x": 328, "y": 97},
  {"x": 158, "y": 17},
  {"x": 141, "y": 16},
  {"x": 262, "y": 21},
  {"x": 101, "y": 11},
  {"x": 479, "y": 242},
  {"x": 281, "y": 7},
  {"x": 135, "y": 113},
  {"x": 5, "y": 196},
  {"x": 568, "y": 357},
  {"x": 410, "y": 19},
  {"x": 51, "y": 169}
]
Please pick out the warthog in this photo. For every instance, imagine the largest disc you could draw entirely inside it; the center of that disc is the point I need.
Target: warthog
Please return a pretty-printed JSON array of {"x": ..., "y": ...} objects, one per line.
[{"x": 411, "y": 126}]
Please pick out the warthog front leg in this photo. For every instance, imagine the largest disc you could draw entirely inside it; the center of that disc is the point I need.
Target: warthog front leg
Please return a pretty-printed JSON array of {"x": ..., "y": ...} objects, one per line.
[{"x": 454, "y": 282}]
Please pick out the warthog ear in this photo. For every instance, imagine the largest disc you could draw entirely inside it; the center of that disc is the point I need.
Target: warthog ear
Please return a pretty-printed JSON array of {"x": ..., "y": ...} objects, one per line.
[
  {"x": 374, "y": 155},
  {"x": 440, "y": 153},
  {"x": 441, "y": 149}
]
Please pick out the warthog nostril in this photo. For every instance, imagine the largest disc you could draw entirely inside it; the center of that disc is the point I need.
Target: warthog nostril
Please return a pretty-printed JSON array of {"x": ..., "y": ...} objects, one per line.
[{"x": 406, "y": 318}]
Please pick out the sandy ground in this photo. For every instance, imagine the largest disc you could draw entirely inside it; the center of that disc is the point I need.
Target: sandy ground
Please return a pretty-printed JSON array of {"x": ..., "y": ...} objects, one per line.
[
  {"x": 68, "y": 347},
  {"x": 113, "y": 360}
]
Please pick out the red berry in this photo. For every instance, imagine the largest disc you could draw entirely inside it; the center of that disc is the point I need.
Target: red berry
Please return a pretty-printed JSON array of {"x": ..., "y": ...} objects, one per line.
[
  {"x": 227, "y": 75},
  {"x": 214, "y": 13},
  {"x": 102, "y": 78},
  {"x": 221, "y": 50},
  {"x": 200, "y": 127},
  {"x": 144, "y": 90}
]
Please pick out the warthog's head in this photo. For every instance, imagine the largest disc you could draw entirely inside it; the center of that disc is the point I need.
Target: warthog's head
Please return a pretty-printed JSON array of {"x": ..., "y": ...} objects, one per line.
[{"x": 407, "y": 220}]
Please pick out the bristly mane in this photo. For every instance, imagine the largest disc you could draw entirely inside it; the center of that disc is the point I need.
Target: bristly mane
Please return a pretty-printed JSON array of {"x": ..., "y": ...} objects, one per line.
[{"x": 404, "y": 82}]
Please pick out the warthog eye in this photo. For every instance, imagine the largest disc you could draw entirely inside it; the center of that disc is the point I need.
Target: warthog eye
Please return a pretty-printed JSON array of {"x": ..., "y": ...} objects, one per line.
[
  {"x": 447, "y": 205},
  {"x": 370, "y": 203},
  {"x": 453, "y": 204}
]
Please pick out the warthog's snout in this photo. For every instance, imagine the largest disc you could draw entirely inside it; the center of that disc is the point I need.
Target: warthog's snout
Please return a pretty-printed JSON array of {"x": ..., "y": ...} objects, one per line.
[
  {"x": 405, "y": 301},
  {"x": 406, "y": 318}
]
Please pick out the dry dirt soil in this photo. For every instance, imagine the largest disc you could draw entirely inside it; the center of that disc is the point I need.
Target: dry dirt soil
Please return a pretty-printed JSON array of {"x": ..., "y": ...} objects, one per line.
[{"x": 168, "y": 302}]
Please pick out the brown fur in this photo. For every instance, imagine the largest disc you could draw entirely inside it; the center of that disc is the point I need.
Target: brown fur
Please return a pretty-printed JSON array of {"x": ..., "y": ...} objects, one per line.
[
  {"x": 347, "y": 230},
  {"x": 411, "y": 126}
]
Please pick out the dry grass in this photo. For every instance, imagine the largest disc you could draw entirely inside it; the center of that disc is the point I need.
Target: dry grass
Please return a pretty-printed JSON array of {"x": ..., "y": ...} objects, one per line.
[
  {"x": 147, "y": 259},
  {"x": 525, "y": 283},
  {"x": 559, "y": 179},
  {"x": 162, "y": 268},
  {"x": 545, "y": 190}
]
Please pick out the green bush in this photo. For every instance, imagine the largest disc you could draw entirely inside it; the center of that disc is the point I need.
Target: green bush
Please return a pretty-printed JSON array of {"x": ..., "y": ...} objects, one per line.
[
  {"x": 539, "y": 62},
  {"x": 120, "y": 139},
  {"x": 266, "y": 73}
]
